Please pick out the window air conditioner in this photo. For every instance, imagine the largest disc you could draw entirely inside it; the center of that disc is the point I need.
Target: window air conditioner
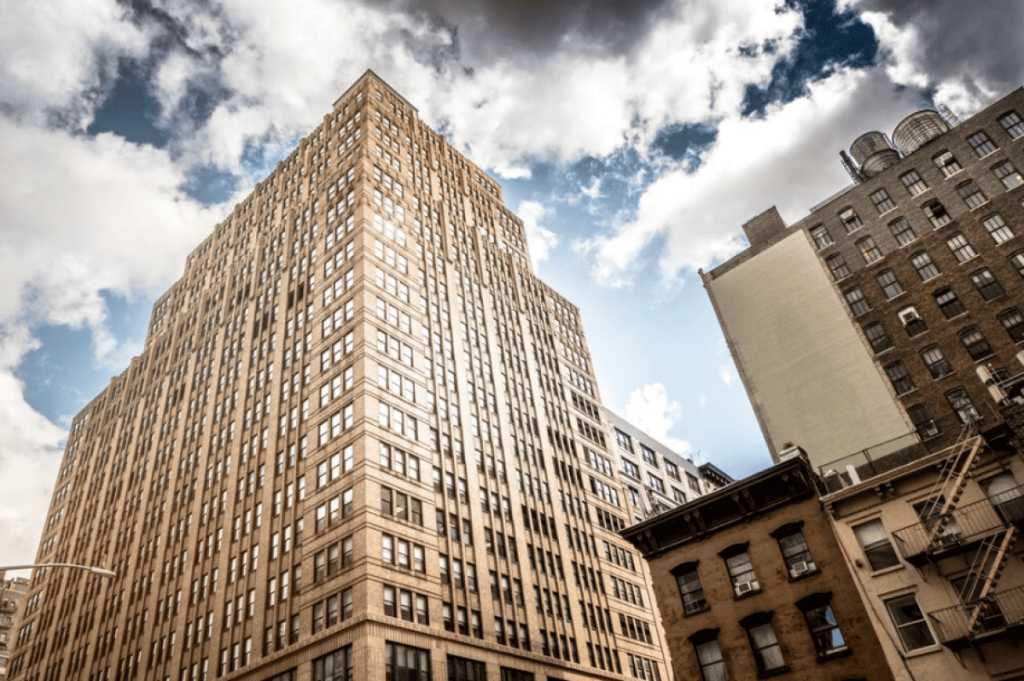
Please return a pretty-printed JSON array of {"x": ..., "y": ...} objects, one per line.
[
  {"x": 744, "y": 587},
  {"x": 908, "y": 316},
  {"x": 798, "y": 568}
]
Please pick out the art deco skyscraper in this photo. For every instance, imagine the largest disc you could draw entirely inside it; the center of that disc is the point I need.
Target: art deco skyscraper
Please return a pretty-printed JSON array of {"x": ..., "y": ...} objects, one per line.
[{"x": 363, "y": 441}]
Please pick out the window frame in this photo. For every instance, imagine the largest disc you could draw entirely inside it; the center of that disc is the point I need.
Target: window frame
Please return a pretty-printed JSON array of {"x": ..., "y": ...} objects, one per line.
[
  {"x": 881, "y": 547},
  {"x": 915, "y": 622}
]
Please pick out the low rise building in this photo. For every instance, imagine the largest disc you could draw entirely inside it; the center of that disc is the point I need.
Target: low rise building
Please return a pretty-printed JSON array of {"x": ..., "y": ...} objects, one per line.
[{"x": 12, "y": 599}]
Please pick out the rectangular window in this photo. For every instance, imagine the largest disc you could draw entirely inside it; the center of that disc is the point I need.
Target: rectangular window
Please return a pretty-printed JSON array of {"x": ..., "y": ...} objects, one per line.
[
  {"x": 971, "y": 194},
  {"x": 1013, "y": 321},
  {"x": 336, "y": 666},
  {"x": 869, "y": 250},
  {"x": 947, "y": 163},
  {"x": 877, "y": 547},
  {"x": 882, "y": 201},
  {"x": 796, "y": 554},
  {"x": 923, "y": 422},
  {"x": 877, "y": 337},
  {"x": 767, "y": 652},
  {"x": 1012, "y": 124},
  {"x": 997, "y": 228},
  {"x": 1008, "y": 175},
  {"x": 936, "y": 213},
  {"x": 406, "y": 663},
  {"x": 462, "y": 669},
  {"x": 821, "y": 237},
  {"x": 891, "y": 286},
  {"x": 850, "y": 220},
  {"x": 960, "y": 247},
  {"x": 690, "y": 589},
  {"x": 982, "y": 145},
  {"x": 913, "y": 182},
  {"x": 902, "y": 231},
  {"x": 1017, "y": 260},
  {"x": 910, "y": 622},
  {"x": 936, "y": 362},
  {"x": 741, "y": 571},
  {"x": 925, "y": 265},
  {"x": 900, "y": 378},
  {"x": 837, "y": 265},
  {"x": 712, "y": 666},
  {"x": 828, "y": 639},
  {"x": 987, "y": 284},
  {"x": 975, "y": 343},
  {"x": 948, "y": 302},
  {"x": 961, "y": 404},
  {"x": 856, "y": 300}
]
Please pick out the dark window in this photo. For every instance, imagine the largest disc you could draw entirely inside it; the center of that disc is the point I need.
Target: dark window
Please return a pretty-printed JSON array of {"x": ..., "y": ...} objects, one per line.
[
  {"x": 796, "y": 554},
  {"x": 821, "y": 237},
  {"x": 882, "y": 201},
  {"x": 961, "y": 404},
  {"x": 987, "y": 284},
  {"x": 821, "y": 621},
  {"x": 971, "y": 194},
  {"x": 877, "y": 337},
  {"x": 997, "y": 228},
  {"x": 948, "y": 302},
  {"x": 913, "y": 182},
  {"x": 690, "y": 589},
  {"x": 924, "y": 265},
  {"x": 889, "y": 283},
  {"x": 974, "y": 341},
  {"x": 764, "y": 644},
  {"x": 936, "y": 362},
  {"x": 838, "y": 267},
  {"x": 910, "y": 622},
  {"x": 1017, "y": 260},
  {"x": 1012, "y": 124},
  {"x": 902, "y": 383},
  {"x": 947, "y": 163},
  {"x": 741, "y": 571},
  {"x": 405, "y": 663},
  {"x": 869, "y": 250},
  {"x": 462, "y": 669},
  {"x": 902, "y": 231},
  {"x": 856, "y": 300},
  {"x": 509, "y": 674},
  {"x": 912, "y": 321},
  {"x": 850, "y": 220},
  {"x": 1013, "y": 321},
  {"x": 336, "y": 666},
  {"x": 923, "y": 421},
  {"x": 981, "y": 143},
  {"x": 937, "y": 213},
  {"x": 961, "y": 248},
  {"x": 1008, "y": 174},
  {"x": 877, "y": 547},
  {"x": 709, "y": 655}
]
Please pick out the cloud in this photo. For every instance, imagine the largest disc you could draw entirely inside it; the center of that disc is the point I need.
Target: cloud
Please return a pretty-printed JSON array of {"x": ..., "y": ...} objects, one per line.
[
  {"x": 650, "y": 409},
  {"x": 725, "y": 374},
  {"x": 539, "y": 239},
  {"x": 82, "y": 215}
]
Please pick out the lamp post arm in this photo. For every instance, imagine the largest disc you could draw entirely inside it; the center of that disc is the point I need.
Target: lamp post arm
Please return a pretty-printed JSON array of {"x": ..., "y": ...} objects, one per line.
[{"x": 109, "y": 574}]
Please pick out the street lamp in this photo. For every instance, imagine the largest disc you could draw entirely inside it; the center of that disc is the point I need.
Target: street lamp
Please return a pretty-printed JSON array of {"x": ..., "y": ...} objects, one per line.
[{"x": 108, "y": 574}]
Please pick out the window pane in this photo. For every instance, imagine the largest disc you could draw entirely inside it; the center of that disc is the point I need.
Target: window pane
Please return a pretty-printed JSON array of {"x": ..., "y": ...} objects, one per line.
[{"x": 910, "y": 622}]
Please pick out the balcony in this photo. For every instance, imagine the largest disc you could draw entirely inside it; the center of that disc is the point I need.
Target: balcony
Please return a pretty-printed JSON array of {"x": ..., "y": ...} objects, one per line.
[
  {"x": 1002, "y": 616},
  {"x": 968, "y": 525}
]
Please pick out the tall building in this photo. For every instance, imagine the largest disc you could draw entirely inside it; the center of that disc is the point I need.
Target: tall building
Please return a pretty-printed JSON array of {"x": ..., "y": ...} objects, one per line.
[
  {"x": 363, "y": 441},
  {"x": 890, "y": 312},
  {"x": 12, "y": 598}
]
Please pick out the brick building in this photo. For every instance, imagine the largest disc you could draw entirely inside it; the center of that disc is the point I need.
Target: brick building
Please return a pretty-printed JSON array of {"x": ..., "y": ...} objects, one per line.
[
  {"x": 751, "y": 583},
  {"x": 12, "y": 599},
  {"x": 886, "y": 314},
  {"x": 363, "y": 441}
]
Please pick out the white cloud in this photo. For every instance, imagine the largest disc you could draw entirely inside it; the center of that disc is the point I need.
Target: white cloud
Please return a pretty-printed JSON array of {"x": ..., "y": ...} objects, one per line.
[
  {"x": 539, "y": 239},
  {"x": 650, "y": 409},
  {"x": 82, "y": 215},
  {"x": 725, "y": 374}
]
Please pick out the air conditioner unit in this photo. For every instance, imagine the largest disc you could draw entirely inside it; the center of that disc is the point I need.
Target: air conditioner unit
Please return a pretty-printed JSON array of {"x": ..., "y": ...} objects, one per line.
[
  {"x": 798, "y": 568},
  {"x": 744, "y": 587},
  {"x": 908, "y": 316}
]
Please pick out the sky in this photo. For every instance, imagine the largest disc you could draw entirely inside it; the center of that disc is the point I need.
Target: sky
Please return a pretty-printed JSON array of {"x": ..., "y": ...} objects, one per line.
[{"x": 633, "y": 138}]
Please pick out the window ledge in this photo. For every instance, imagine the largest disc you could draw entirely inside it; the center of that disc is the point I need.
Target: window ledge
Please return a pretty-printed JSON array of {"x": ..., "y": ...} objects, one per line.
[
  {"x": 696, "y": 612},
  {"x": 805, "y": 575},
  {"x": 885, "y": 571},
  {"x": 837, "y": 654},
  {"x": 928, "y": 650},
  {"x": 773, "y": 672},
  {"x": 740, "y": 597}
]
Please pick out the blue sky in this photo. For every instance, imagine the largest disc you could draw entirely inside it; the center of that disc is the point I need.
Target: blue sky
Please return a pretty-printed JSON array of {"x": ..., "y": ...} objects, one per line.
[{"x": 634, "y": 139}]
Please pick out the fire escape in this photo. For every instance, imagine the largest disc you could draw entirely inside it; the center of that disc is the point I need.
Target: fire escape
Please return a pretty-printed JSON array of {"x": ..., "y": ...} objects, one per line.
[{"x": 982, "y": 532}]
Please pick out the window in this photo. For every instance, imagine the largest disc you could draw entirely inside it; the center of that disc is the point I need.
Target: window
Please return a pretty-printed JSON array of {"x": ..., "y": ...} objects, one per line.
[
  {"x": 1008, "y": 174},
  {"x": 690, "y": 588},
  {"x": 971, "y": 194},
  {"x": 461, "y": 669},
  {"x": 877, "y": 337},
  {"x": 924, "y": 265},
  {"x": 741, "y": 570},
  {"x": 947, "y": 301},
  {"x": 910, "y": 622},
  {"x": 936, "y": 213},
  {"x": 877, "y": 547},
  {"x": 936, "y": 362},
  {"x": 509, "y": 674},
  {"x": 336, "y": 666},
  {"x": 882, "y": 201},
  {"x": 821, "y": 237},
  {"x": 981, "y": 143},
  {"x": 624, "y": 440},
  {"x": 1017, "y": 260},
  {"x": 1013, "y": 321},
  {"x": 821, "y": 621},
  {"x": 900, "y": 378},
  {"x": 1012, "y": 124},
  {"x": 947, "y": 163},
  {"x": 794, "y": 549},
  {"x": 869, "y": 250},
  {"x": 923, "y": 421},
  {"x": 850, "y": 220},
  {"x": 856, "y": 300},
  {"x": 764, "y": 644},
  {"x": 890, "y": 284},
  {"x": 960, "y": 402},
  {"x": 912, "y": 321},
  {"x": 902, "y": 231},
  {"x": 997, "y": 228},
  {"x": 405, "y": 663},
  {"x": 913, "y": 182},
  {"x": 987, "y": 284},
  {"x": 837, "y": 265},
  {"x": 709, "y": 655},
  {"x": 961, "y": 248},
  {"x": 649, "y": 456},
  {"x": 975, "y": 343}
]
